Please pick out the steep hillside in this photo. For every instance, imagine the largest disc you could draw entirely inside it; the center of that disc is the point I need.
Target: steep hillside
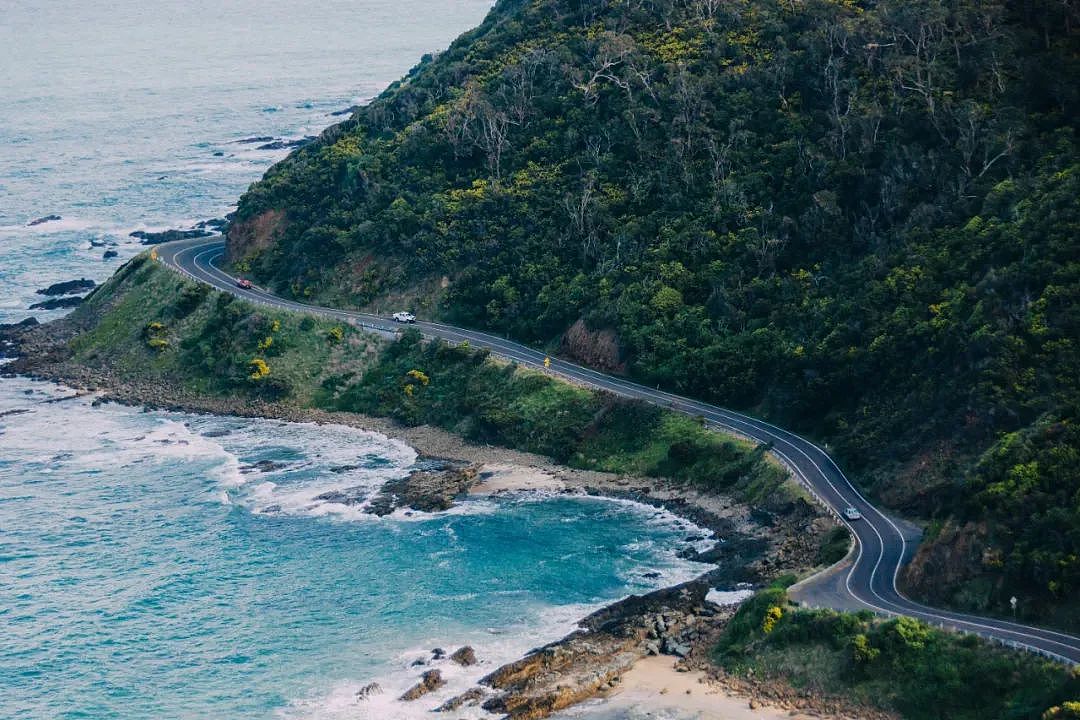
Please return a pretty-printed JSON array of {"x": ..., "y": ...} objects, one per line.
[{"x": 859, "y": 219}]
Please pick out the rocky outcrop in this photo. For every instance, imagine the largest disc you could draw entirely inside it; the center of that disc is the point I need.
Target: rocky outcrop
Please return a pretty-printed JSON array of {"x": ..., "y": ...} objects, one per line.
[
  {"x": 464, "y": 656},
  {"x": 156, "y": 238},
  {"x": 264, "y": 466},
  {"x": 287, "y": 144},
  {"x": 43, "y": 220},
  {"x": 952, "y": 559},
  {"x": 471, "y": 698},
  {"x": 58, "y": 303},
  {"x": 215, "y": 224},
  {"x": 424, "y": 490},
  {"x": 252, "y": 235},
  {"x": 595, "y": 348},
  {"x": 347, "y": 111},
  {"x": 368, "y": 690},
  {"x": 670, "y": 621},
  {"x": 429, "y": 682},
  {"x": 68, "y": 287}
]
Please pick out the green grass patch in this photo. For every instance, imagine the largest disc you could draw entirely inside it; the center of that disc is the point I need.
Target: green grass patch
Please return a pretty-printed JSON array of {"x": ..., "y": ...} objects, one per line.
[
  {"x": 149, "y": 323},
  {"x": 495, "y": 402}
]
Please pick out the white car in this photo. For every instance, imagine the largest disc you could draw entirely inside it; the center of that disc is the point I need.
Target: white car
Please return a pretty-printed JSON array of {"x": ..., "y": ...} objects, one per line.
[
  {"x": 851, "y": 513},
  {"x": 404, "y": 317}
]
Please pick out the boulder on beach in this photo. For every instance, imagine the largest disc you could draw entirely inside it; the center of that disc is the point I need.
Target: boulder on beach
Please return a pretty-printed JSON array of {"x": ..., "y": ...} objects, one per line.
[
  {"x": 68, "y": 287},
  {"x": 58, "y": 303},
  {"x": 42, "y": 220},
  {"x": 154, "y": 238}
]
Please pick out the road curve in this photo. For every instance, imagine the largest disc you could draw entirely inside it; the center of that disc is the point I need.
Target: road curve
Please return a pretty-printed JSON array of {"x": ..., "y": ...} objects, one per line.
[{"x": 882, "y": 547}]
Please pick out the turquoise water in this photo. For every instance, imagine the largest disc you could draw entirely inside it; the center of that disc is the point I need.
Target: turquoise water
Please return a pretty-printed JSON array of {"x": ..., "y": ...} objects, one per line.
[{"x": 150, "y": 572}]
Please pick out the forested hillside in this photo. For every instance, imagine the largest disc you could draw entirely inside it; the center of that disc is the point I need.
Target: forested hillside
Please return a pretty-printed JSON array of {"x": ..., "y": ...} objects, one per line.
[{"x": 858, "y": 219}]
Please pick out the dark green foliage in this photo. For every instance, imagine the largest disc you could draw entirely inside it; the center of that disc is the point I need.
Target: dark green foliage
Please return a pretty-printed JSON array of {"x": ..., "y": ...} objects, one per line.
[
  {"x": 462, "y": 390},
  {"x": 190, "y": 297},
  {"x": 899, "y": 664},
  {"x": 859, "y": 219},
  {"x": 835, "y": 546}
]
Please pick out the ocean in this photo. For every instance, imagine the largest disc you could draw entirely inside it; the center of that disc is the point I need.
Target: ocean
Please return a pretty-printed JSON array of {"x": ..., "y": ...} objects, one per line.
[{"x": 162, "y": 565}]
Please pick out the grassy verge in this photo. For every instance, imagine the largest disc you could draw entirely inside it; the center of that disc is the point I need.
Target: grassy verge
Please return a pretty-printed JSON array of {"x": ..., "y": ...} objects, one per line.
[
  {"x": 148, "y": 323},
  {"x": 467, "y": 392},
  {"x": 900, "y": 665}
]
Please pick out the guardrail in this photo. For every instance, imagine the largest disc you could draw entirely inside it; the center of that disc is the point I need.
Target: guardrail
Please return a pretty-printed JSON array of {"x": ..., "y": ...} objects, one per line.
[{"x": 948, "y": 627}]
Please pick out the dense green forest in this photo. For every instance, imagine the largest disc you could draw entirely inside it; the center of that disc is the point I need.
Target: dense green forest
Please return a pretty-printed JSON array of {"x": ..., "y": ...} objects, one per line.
[{"x": 856, "y": 218}]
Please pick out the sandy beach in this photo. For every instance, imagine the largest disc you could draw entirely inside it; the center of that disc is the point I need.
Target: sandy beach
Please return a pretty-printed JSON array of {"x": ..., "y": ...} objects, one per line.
[{"x": 654, "y": 690}]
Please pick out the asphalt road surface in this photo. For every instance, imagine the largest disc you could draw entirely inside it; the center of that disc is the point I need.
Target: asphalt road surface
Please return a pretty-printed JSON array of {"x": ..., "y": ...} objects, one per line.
[{"x": 883, "y": 545}]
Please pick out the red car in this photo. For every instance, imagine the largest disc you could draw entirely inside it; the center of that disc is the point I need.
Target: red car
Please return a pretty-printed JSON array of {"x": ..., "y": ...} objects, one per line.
[{"x": 243, "y": 283}]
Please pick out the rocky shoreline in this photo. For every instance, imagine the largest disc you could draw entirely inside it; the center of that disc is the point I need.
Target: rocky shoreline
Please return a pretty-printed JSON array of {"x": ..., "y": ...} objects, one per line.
[{"x": 755, "y": 545}]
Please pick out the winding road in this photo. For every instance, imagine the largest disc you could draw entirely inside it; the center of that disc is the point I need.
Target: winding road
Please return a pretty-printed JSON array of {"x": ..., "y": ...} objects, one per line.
[{"x": 883, "y": 543}]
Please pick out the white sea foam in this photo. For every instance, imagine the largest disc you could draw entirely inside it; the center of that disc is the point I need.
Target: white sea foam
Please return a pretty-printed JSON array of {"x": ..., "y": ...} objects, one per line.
[{"x": 493, "y": 649}]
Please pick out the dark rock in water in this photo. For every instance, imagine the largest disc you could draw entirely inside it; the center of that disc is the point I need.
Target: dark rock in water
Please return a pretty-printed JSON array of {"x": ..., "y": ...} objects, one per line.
[
  {"x": 28, "y": 322},
  {"x": 368, "y": 690},
  {"x": 153, "y": 238},
  {"x": 349, "y": 496},
  {"x": 68, "y": 287},
  {"x": 423, "y": 490},
  {"x": 109, "y": 254},
  {"x": 218, "y": 224},
  {"x": 347, "y": 111},
  {"x": 263, "y": 466},
  {"x": 216, "y": 433},
  {"x": 58, "y": 303},
  {"x": 471, "y": 697},
  {"x": 253, "y": 140},
  {"x": 429, "y": 681},
  {"x": 286, "y": 144},
  {"x": 343, "y": 468},
  {"x": 219, "y": 154},
  {"x": 16, "y": 411},
  {"x": 42, "y": 220},
  {"x": 438, "y": 654},
  {"x": 651, "y": 575},
  {"x": 464, "y": 656},
  {"x": 418, "y": 662}
]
